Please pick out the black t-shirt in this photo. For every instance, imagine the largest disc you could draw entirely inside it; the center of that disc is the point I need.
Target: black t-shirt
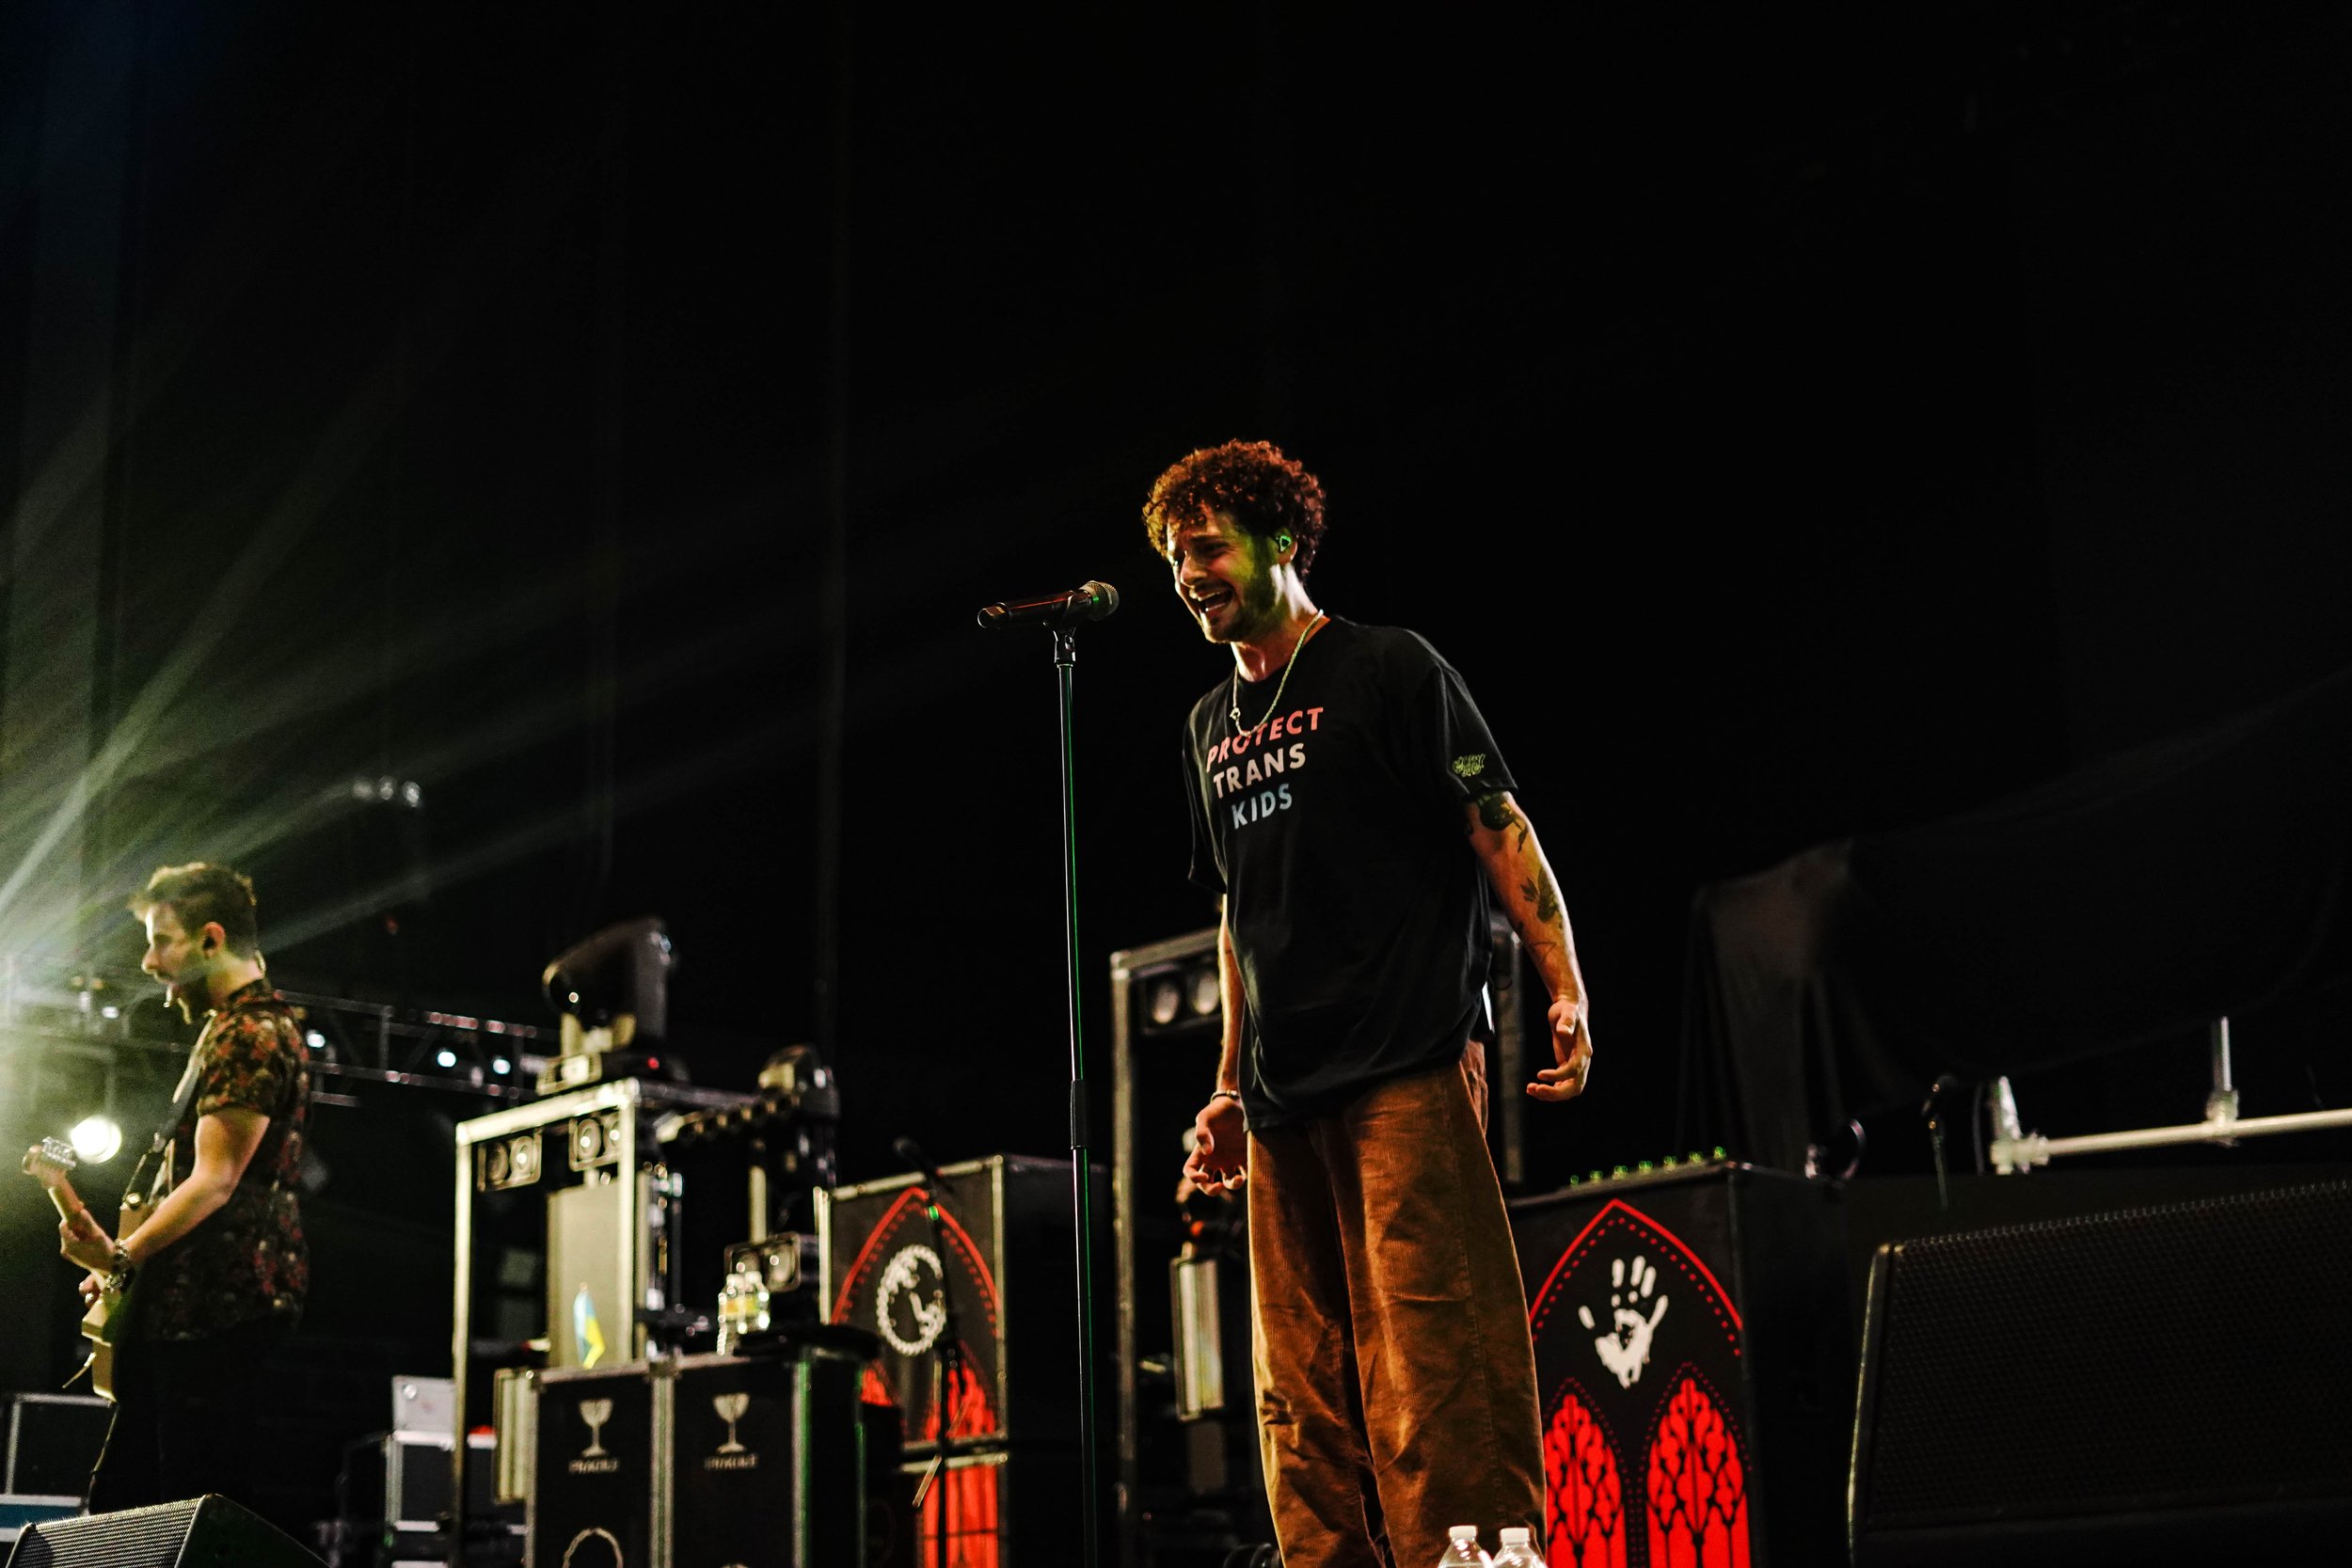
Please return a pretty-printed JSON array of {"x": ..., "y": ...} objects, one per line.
[{"x": 1336, "y": 829}]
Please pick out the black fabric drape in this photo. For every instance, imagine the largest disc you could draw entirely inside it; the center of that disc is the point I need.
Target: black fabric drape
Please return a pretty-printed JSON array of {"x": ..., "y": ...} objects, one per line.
[{"x": 2130, "y": 900}]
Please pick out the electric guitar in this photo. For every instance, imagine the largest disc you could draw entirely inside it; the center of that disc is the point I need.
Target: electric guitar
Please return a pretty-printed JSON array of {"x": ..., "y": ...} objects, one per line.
[{"x": 50, "y": 1163}]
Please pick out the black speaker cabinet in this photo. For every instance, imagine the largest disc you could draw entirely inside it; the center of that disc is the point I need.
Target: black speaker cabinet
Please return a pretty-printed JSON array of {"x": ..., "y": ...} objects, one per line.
[
  {"x": 718, "y": 1461},
  {"x": 54, "y": 1443},
  {"x": 768, "y": 1468},
  {"x": 1693, "y": 1356},
  {"x": 597, "y": 1478},
  {"x": 202, "y": 1532},
  {"x": 2164, "y": 1384},
  {"x": 1011, "y": 1264}
]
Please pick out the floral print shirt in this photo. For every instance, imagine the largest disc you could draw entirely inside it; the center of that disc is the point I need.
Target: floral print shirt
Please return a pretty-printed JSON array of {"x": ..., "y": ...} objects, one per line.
[{"x": 247, "y": 1259}]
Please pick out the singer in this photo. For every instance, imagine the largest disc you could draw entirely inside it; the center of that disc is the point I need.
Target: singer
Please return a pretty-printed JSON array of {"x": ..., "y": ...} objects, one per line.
[{"x": 1354, "y": 815}]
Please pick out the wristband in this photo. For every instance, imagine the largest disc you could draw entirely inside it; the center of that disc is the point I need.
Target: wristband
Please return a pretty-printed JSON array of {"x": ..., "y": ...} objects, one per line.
[
  {"x": 1233, "y": 1095},
  {"x": 119, "y": 1278}
]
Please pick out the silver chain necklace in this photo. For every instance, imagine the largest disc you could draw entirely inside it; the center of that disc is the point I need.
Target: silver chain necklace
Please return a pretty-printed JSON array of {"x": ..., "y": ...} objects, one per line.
[{"x": 1278, "y": 685}]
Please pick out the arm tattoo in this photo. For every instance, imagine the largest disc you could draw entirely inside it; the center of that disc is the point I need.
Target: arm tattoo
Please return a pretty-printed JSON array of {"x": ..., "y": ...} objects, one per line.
[
  {"x": 1495, "y": 810},
  {"x": 1548, "y": 903}
]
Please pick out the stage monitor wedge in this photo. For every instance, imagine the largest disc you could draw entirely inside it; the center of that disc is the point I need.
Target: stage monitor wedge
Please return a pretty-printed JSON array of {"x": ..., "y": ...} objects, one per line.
[
  {"x": 2171, "y": 1384},
  {"x": 202, "y": 1532}
]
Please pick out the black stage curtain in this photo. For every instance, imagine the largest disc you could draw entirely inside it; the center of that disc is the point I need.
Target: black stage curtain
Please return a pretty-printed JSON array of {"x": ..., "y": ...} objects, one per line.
[{"x": 2121, "y": 903}]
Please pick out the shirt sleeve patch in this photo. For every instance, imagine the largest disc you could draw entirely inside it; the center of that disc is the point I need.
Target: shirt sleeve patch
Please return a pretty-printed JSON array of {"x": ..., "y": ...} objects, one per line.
[{"x": 1471, "y": 765}]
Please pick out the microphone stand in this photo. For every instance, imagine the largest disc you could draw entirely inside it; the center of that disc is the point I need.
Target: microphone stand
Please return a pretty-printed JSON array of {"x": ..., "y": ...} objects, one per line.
[
  {"x": 1081, "y": 1166},
  {"x": 946, "y": 1361},
  {"x": 1062, "y": 615}
]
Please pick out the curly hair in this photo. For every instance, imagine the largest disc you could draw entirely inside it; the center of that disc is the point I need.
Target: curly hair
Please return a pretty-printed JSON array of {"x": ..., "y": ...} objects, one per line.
[
  {"x": 199, "y": 893},
  {"x": 1267, "y": 492}
]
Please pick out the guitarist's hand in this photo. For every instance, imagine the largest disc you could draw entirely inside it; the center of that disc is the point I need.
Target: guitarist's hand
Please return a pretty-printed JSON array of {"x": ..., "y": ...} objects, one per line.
[
  {"x": 91, "y": 1284},
  {"x": 81, "y": 1240}
]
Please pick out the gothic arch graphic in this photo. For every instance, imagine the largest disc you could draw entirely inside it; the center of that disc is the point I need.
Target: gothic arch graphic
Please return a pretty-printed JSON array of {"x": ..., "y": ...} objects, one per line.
[
  {"x": 1695, "y": 1484},
  {"x": 1585, "y": 1524},
  {"x": 1620, "y": 1222}
]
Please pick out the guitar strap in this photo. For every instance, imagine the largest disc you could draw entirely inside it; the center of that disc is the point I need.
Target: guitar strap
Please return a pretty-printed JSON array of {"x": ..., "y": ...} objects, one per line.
[
  {"x": 135, "y": 1191},
  {"x": 150, "y": 1164}
]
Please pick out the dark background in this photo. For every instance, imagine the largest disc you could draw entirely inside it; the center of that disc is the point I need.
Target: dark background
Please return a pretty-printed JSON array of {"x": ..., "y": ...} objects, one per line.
[{"x": 1793, "y": 420}]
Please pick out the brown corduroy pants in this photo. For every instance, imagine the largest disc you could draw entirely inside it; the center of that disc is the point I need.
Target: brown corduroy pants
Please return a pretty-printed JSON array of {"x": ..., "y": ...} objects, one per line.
[{"x": 1396, "y": 1382}]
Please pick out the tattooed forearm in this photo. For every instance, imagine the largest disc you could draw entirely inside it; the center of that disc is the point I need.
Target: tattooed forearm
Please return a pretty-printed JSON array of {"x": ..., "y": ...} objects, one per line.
[
  {"x": 1542, "y": 895},
  {"x": 1497, "y": 815},
  {"x": 1495, "y": 810},
  {"x": 1522, "y": 879}
]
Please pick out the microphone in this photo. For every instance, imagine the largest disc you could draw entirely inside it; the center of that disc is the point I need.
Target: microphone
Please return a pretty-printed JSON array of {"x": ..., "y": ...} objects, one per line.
[
  {"x": 1090, "y": 601},
  {"x": 911, "y": 1152}
]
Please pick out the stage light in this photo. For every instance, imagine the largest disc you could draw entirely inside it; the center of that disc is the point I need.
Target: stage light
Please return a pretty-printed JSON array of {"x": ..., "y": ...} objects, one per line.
[
  {"x": 110, "y": 1010},
  {"x": 1204, "y": 991},
  {"x": 447, "y": 1059},
  {"x": 507, "y": 1163},
  {"x": 596, "y": 1140},
  {"x": 315, "y": 1040},
  {"x": 500, "y": 1064},
  {"x": 1166, "y": 997},
  {"x": 96, "y": 1139},
  {"x": 386, "y": 789},
  {"x": 614, "y": 988}
]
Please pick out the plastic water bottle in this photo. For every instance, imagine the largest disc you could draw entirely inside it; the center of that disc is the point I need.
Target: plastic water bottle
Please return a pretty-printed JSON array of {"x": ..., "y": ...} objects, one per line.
[
  {"x": 1462, "y": 1549},
  {"x": 1519, "y": 1550}
]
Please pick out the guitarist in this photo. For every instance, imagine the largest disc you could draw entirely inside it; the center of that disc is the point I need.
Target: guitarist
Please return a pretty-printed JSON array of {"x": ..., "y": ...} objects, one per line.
[{"x": 215, "y": 1266}]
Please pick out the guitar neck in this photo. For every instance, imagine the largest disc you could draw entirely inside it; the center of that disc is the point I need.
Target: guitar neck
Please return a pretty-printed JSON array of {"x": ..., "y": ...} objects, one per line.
[
  {"x": 48, "y": 1164},
  {"x": 69, "y": 1202}
]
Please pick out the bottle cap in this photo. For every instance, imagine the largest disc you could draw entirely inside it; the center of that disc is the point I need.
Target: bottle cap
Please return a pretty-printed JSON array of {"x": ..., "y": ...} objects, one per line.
[
  {"x": 1514, "y": 1536},
  {"x": 1461, "y": 1533}
]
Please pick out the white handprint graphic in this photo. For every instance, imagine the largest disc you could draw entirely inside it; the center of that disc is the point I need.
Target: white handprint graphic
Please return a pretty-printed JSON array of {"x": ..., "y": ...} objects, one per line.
[{"x": 1625, "y": 1348}]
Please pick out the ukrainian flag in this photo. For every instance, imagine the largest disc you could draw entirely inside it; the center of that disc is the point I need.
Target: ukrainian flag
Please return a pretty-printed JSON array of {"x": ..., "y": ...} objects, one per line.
[{"x": 587, "y": 1338}]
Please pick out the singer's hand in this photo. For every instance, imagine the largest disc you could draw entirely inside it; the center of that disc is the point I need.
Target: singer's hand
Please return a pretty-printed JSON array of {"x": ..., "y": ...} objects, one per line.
[
  {"x": 1571, "y": 1048},
  {"x": 1220, "y": 1161}
]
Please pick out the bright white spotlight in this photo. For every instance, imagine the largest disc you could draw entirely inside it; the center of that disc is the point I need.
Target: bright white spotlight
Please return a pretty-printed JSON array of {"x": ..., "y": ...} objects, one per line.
[
  {"x": 96, "y": 1139},
  {"x": 500, "y": 1064},
  {"x": 447, "y": 1059}
]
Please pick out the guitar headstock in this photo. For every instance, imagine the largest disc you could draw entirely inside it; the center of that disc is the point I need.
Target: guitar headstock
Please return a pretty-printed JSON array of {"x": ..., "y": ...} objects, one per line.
[{"x": 51, "y": 1161}]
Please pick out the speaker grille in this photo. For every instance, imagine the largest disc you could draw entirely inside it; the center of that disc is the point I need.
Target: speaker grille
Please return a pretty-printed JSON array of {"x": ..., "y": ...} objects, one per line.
[
  {"x": 135, "y": 1538},
  {"x": 201, "y": 1532},
  {"x": 2188, "y": 1356}
]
